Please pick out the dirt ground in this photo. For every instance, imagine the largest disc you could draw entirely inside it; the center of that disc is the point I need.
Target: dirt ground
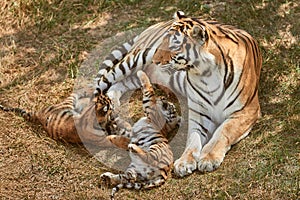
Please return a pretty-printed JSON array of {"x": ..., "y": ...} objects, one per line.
[{"x": 44, "y": 43}]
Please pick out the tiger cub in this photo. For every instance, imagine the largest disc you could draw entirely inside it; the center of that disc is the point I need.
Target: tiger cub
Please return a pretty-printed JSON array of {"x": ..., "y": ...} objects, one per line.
[
  {"x": 150, "y": 153},
  {"x": 77, "y": 119}
]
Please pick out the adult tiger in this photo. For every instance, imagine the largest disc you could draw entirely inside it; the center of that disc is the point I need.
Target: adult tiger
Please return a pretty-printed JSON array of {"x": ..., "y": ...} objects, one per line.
[{"x": 217, "y": 67}]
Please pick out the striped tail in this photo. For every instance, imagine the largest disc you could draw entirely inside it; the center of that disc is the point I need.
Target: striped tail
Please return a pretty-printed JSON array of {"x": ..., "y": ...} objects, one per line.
[
  {"x": 138, "y": 186},
  {"x": 29, "y": 116},
  {"x": 115, "y": 56}
]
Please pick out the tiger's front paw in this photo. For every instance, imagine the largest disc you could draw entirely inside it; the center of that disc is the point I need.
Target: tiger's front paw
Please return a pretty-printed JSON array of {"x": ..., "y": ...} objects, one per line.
[
  {"x": 209, "y": 162},
  {"x": 186, "y": 164}
]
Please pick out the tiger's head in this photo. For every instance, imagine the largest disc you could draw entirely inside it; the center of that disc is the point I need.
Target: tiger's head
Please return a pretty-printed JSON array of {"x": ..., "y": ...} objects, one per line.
[
  {"x": 104, "y": 113},
  {"x": 182, "y": 44},
  {"x": 170, "y": 114}
]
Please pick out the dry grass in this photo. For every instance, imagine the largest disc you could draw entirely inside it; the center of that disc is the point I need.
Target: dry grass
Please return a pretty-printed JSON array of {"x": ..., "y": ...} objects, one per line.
[{"x": 44, "y": 42}]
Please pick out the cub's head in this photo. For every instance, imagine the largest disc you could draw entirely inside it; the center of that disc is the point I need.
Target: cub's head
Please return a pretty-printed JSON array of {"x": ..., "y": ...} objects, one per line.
[
  {"x": 104, "y": 113},
  {"x": 170, "y": 114}
]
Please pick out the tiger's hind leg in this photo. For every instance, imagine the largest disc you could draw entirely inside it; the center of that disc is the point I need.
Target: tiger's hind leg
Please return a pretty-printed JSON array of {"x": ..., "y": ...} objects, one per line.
[{"x": 118, "y": 181}]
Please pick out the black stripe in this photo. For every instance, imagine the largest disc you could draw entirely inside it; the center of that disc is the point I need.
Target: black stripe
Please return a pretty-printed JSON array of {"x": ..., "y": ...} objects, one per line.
[
  {"x": 227, "y": 33},
  {"x": 203, "y": 134},
  {"x": 219, "y": 98},
  {"x": 213, "y": 22},
  {"x": 146, "y": 101},
  {"x": 51, "y": 125},
  {"x": 190, "y": 23},
  {"x": 121, "y": 67},
  {"x": 150, "y": 140},
  {"x": 134, "y": 63},
  {"x": 145, "y": 55},
  {"x": 223, "y": 56},
  {"x": 188, "y": 47},
  {"x": 238, "y": 110},
  {"x": 230, "y": 103},
  {"x": 202, "y": 127},
  {"x": 112, "y": 58},
  {"x": 154, "y": 140},
  {"x": 49, "y": 109},
  {"x": 201, "y": 114},
  {"x": 114, "y": 71},
  {"x": 107, "y": 82},
  {"x": 148, "y": 94},
  {"x": 229, "y": 80},
  {"x": 199, "y": 93},
  {"x": 64, "y": 118},
  {"x": 254, "y": 51}
]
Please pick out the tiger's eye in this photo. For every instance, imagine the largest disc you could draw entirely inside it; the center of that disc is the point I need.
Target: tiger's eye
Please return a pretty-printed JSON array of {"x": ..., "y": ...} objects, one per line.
[{"x": 105, "y": 108}]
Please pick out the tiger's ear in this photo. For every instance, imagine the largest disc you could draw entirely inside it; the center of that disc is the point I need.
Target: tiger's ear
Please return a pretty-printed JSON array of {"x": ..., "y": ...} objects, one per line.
[
  {"x": 199, "y": 33},
  {"x": 179, "y": 15}
]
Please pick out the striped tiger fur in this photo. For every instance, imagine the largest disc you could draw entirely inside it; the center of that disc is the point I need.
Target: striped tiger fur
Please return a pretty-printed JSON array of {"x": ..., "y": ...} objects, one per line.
[
  {"x": 77, "y": 119},
  {"x": 151, "y": 156},
  {"x": 215, "y": 66}
]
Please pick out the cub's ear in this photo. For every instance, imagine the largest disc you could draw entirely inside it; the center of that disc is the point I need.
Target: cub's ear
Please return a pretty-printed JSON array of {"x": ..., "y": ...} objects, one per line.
[
  {"x": 94, "y": 99},
  {"x": 179, "y": 15},
  {"x": 97, "y": 93}
]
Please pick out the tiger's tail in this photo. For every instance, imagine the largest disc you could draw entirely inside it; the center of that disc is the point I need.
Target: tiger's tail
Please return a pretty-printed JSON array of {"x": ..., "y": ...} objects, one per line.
[{"x": 29, "y": 116}]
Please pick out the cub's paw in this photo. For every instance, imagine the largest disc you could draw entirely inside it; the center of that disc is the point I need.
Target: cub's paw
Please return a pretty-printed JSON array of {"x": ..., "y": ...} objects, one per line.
[
  {"x": 106, "y": 178},
  {"x": 209, "y": 162},
  {"x": 186, "y": 164},
  {"x": 132, "y": 148}
]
